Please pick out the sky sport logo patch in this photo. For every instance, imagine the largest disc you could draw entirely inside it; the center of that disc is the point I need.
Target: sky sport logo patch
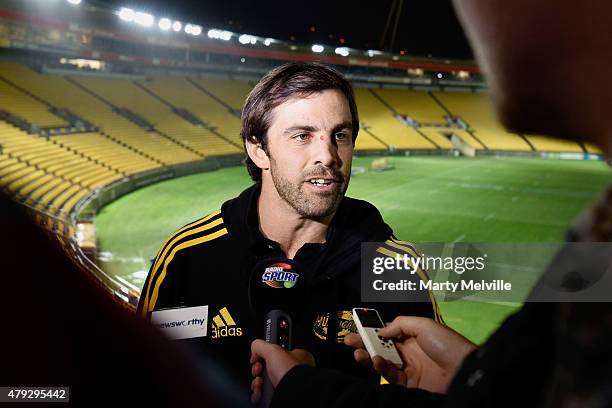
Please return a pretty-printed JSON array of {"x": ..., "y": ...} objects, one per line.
[{"x": 279, "y": 276}]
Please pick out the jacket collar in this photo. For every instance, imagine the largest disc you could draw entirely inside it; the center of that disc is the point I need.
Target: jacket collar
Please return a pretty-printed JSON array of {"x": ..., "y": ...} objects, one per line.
[{"x": 355, "y": 221}]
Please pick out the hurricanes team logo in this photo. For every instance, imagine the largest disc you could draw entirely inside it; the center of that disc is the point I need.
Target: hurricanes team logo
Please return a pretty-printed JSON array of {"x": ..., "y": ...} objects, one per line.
[{"x": 279, "y": 275}]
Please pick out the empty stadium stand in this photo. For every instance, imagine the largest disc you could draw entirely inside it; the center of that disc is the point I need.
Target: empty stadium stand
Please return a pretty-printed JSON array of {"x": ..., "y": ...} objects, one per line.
[
  {"x": 419, "y": 106},
  {"x": 550, "y": 144},
  {"x": 220, "y": 133},
  {"x": 137, "y": 125},
  {"x": 47, "y": 175},
  {"x": 379, "y": 120},
  {"x": 476, "y": 111}
]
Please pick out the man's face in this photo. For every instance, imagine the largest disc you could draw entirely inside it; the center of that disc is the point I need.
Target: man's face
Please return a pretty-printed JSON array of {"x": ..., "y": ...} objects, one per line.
[{"x": 310, "y": 150}]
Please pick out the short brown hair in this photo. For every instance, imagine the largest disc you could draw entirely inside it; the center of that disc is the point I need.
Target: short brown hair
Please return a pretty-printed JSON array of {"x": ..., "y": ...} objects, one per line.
[{"x": 295, "y": 79}]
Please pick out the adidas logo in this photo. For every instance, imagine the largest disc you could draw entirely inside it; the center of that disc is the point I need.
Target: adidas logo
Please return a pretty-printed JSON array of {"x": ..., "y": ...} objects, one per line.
[{"x": 224, "y": 325}]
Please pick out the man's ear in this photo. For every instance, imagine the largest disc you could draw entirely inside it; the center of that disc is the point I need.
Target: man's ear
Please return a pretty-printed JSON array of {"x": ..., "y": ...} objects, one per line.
[{"x": 257, "y": 153}]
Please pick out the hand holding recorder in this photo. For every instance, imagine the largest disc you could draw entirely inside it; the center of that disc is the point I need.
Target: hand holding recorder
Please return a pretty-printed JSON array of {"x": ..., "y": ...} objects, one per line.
[{"x": 431, "y": 353}]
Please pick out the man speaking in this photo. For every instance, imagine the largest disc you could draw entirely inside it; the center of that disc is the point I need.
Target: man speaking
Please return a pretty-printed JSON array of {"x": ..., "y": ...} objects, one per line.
[{"x": 293, "y": 233}]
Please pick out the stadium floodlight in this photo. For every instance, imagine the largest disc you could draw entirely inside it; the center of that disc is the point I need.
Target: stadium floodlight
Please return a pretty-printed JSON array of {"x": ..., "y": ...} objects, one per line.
[
  {"x": 188, "y": 28},
  {"x": 126, "y": 14},
  {"x": 74, "y": 2},
  {"x": 196, "y": 30},
  {"x": 439, "y": 75},
  {"x": 164, "y": 23},
  {"x": 144, "y": 19},
  {"x": 268, "y": 41},
  {"x": 247, "y": 39},
  {"x": 177, "y": 25},
  {"x": 342, "y": 51},
  {"x": 219, "y": 34},
  {"x": 372, "y": 53},
  {"x": 317, "y": 48}
]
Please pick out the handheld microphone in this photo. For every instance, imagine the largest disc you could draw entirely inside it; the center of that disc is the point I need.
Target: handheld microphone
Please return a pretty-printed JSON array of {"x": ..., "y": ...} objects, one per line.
[
  {"x": 276, "y": 292},
  {"x": 277, "y": 330}
]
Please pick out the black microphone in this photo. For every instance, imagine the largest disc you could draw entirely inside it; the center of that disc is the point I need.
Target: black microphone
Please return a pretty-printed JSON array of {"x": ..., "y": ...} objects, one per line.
[{"x": 277, "y": 289}]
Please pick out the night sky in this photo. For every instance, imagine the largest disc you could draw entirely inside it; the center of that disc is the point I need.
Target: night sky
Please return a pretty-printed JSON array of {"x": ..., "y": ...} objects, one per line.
[{"x": 426, "y": 27}]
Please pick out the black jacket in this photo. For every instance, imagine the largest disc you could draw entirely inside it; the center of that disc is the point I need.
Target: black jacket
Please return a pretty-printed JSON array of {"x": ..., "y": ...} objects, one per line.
[
  {"x": 511, "y": 369},
  {"x": 209, "y": 262}
]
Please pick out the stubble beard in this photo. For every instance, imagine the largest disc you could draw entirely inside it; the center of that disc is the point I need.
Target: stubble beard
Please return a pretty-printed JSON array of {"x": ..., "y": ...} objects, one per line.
[{"x": 307, "y": 204}]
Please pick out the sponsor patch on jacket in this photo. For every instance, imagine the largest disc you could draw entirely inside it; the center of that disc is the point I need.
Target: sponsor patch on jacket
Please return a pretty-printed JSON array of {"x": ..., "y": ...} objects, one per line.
[
  {"x": 224, "y": 325},
  {"x": 182, "y": 322},
  {"x": 279, "y": 275},
  {"x": 346, "y": 325}
]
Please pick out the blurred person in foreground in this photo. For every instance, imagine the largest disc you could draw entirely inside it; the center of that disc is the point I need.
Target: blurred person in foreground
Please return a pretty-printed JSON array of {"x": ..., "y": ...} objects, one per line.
[
  {"x": 62, "y": 329},
  {"x": 547, "y": 354}
]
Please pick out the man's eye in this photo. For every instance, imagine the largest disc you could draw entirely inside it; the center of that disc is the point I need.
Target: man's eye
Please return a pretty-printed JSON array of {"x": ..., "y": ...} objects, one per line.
[
  {"x": 341, "y": 137},
  {"x": 302, "y": 137}
]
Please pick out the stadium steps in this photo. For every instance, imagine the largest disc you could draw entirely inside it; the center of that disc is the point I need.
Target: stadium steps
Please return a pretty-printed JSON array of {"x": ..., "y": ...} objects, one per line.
[
  {"x": 153, "y": 94},
  {"x": 179, "y": 143},
  {"x": 549, "y": 144},
  {"x": 396, "y": 113},
  {"x": 437, "y": 135},
  {"x": 6, "y": 170},
  {"x": 385, "y": 103},
  {"x": 41, "y": 195},
  {"x": 376, "y": 138},
  {"x": 68, "y": 205},
  {"x": 31, "y": 107},
  {"x": 24, "y": 111},
  {"x": 132, "y": 148},
  {"x": 175, "y": 108},
  {"x": 6, "y": 161},
  {"x": 473, "y": 134},
  {"x": 7, "y": 179},
  {"x": 48, "y": 152},
  {"x": 169, "y": 105},
  {"x": 428, "y": 138},
  {"x": 58, "y": 200},
  {"x": 17, "y": 185},
  {"x": 38, "y": 171},
  {"x": 380, "y": 120},
  {"x": 441, "y": 105},
  {"x": 212, "y": 95},
  {"x": 451, "y": 115},
  {"x": 83, "y": 154},
  {"x": 476, "y": 112},
  {"x": 522, "y": 136},
  {"x": 28, "y": 188},
  {"x": 369, "y": 141},
  {"x": 110, "y": 137},
  {"x": 416, "y": 105},
  {"x": 25, "y": 91},
  {"x": 88, "y": 91},
  {"x": 106, "y": 151}
]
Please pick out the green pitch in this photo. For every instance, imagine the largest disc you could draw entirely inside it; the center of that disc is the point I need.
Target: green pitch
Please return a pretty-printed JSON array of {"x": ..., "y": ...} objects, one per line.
[{"x": 423, "y": 199}]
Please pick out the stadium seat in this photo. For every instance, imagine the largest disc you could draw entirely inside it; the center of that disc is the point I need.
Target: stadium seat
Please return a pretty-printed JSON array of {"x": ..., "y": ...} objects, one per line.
[
  {"x": 379, "y": 120},
  {"x": 475, "y": 109}
]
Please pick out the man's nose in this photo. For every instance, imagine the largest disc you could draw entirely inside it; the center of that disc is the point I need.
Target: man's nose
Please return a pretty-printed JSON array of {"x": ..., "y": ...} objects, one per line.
[{"x": 326, "y": 151}]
